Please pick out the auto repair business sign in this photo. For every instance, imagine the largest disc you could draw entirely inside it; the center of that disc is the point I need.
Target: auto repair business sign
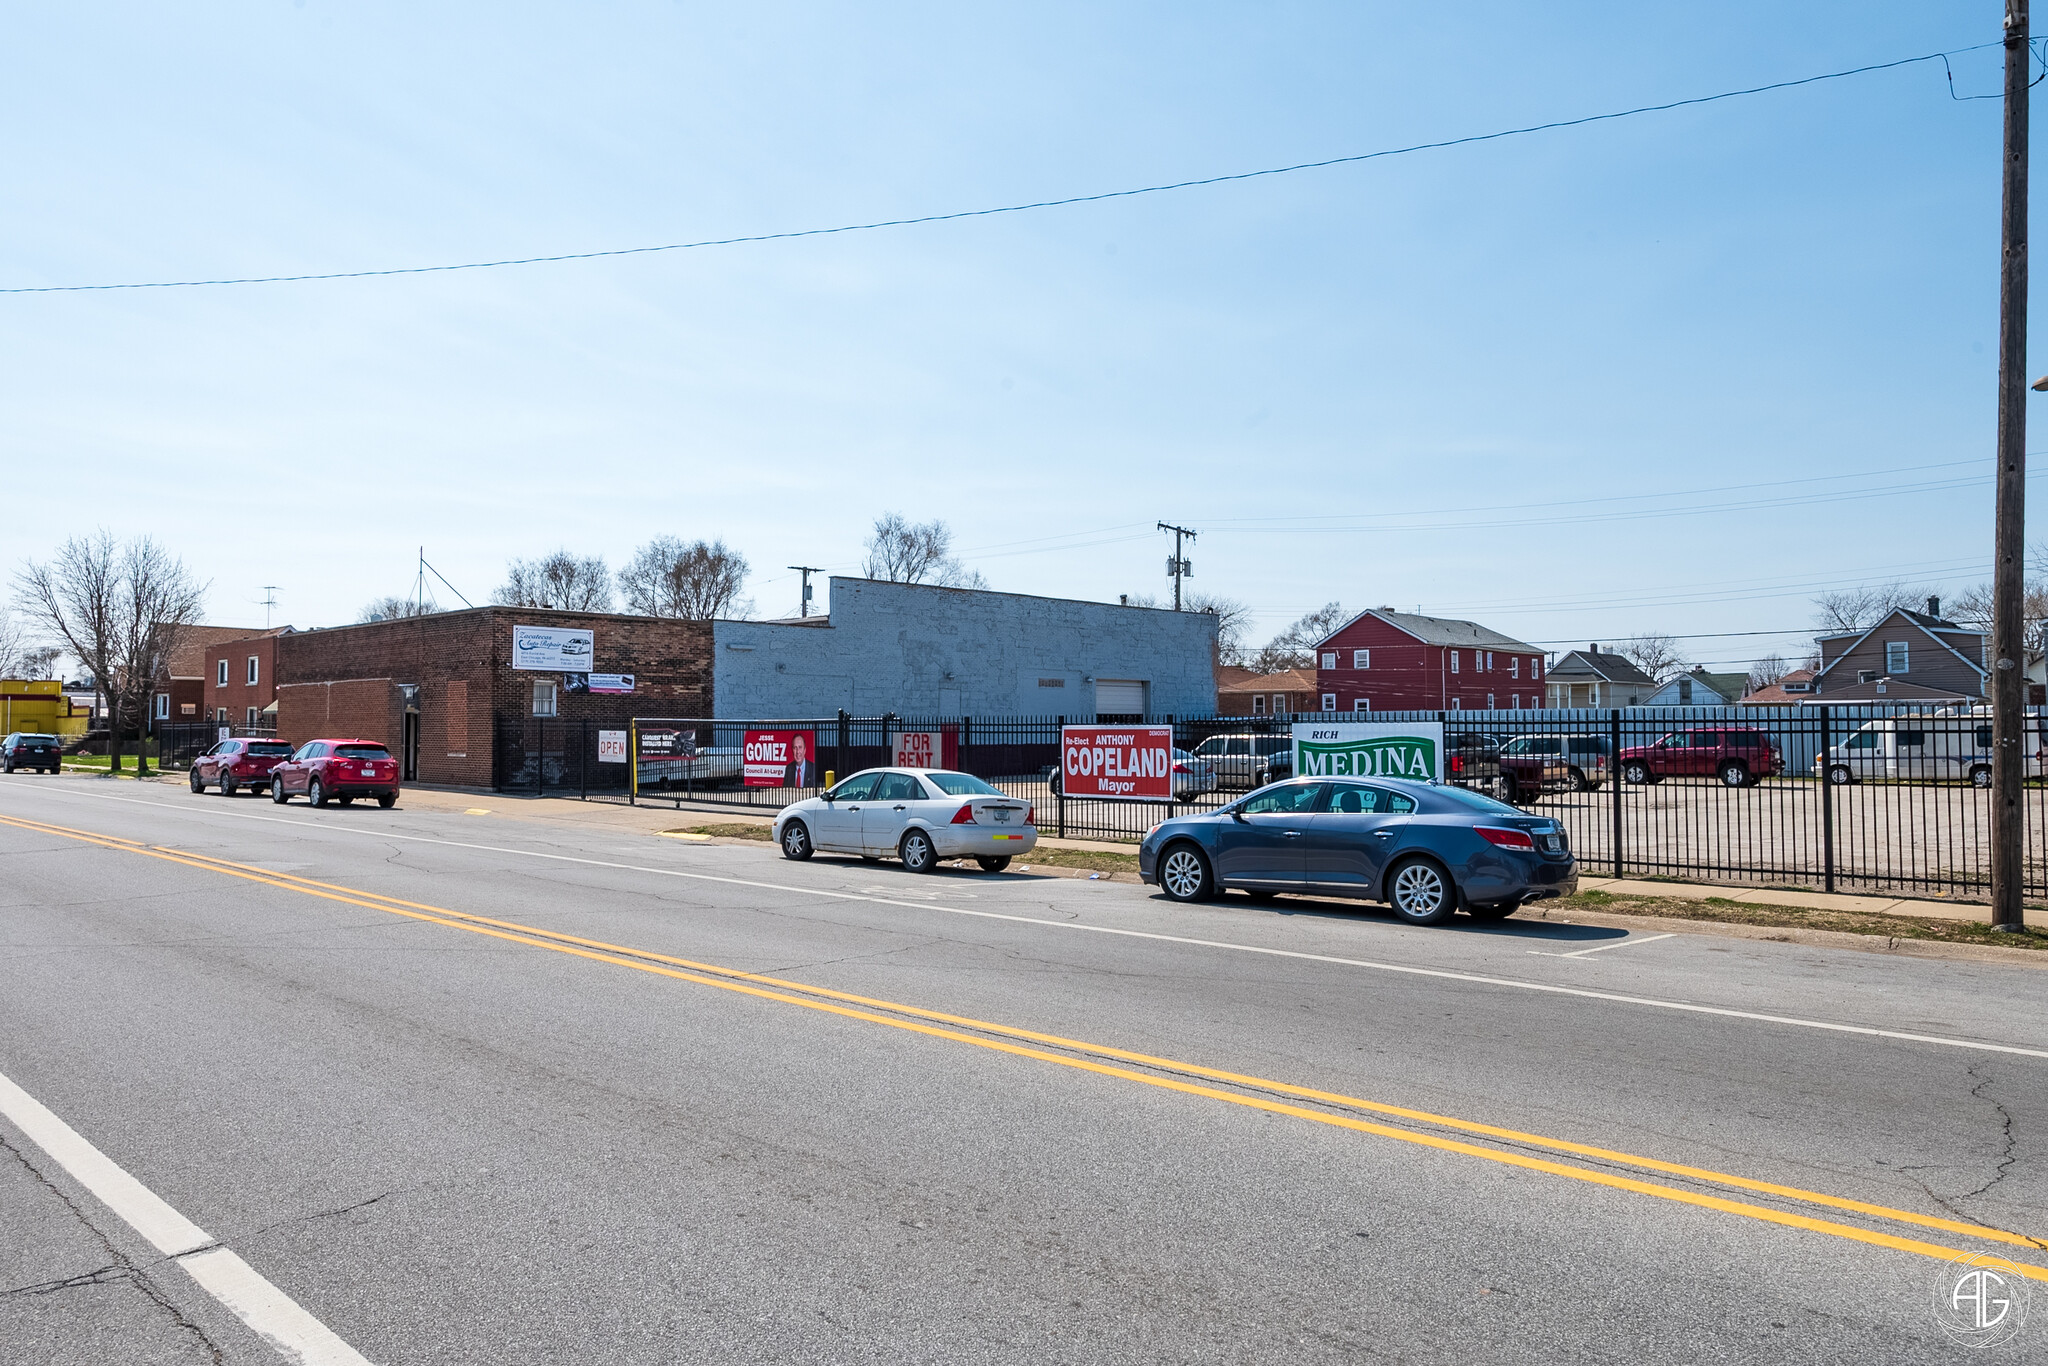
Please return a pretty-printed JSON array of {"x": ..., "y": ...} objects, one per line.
[
  {"x": 1369, "y": 749},
  {"x": 778, "y": 758},
  {"x": 552, "y": 649},
  {"x": 1123, "y": 763}
]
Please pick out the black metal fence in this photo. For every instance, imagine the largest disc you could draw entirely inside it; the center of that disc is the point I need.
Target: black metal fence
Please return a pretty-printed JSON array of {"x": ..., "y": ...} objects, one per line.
[
  {"x": 179, "y": 743},
  {"x": 1904, "y": 811}
]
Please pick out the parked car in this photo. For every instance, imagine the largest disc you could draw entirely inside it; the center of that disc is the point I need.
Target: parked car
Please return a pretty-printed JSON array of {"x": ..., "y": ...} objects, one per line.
[
  {"x": 920, "y": 816},
  {"x": 1586, "y": 757},
  {"x": 1527, "y": 773},
  {"x": 1927, "y": 749},
  {"x": 1428, "y": 849},
  {"x": 338, "y": 770},
  {"x": 1472, "y": 759},
  {"x": 1248, "y": 760},
  {"x": 1192, "y": 776},
  {"x": 236, "y": 764},
  {"x": 1739, "y": 758},
  {"x": 27, "y": 749}
]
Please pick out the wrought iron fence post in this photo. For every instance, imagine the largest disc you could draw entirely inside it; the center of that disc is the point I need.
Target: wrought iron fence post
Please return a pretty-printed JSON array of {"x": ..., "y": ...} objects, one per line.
[
  {"x": 583, "y": 759},
  {"x": 540, "y": 759},
  {"x": 839, "y": 749},
  {"x": 633, "y": 761},
  {"x": 1614, "y": 781},
  {"x": 1827, "y": 805}
]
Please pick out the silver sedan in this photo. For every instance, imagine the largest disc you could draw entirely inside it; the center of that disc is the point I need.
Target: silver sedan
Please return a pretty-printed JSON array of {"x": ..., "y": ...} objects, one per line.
[{"x": 918, "y": 815}]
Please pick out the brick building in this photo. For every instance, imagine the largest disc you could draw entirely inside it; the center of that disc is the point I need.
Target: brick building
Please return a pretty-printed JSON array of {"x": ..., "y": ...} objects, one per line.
[
  {"x": 241, "y": 679},
  {"x": 178, "y": 693},
  {"x": 1280, "y": 694},
  {"x": 1383, "y": 660},
  {"x": 433, "y": 687}
]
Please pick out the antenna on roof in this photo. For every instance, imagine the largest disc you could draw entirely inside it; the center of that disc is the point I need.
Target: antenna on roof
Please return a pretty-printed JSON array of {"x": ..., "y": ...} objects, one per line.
[{"x": 269, "y": 602}]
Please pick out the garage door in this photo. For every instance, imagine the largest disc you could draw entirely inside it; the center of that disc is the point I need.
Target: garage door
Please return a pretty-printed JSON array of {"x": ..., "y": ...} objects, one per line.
[{"x": 1119, "y": 699}]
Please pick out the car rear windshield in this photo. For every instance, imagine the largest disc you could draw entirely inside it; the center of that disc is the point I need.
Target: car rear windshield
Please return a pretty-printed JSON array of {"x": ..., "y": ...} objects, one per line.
[
  {"x": 39, "y": 739},
  {"x": 1479, "y": 801},
  {"x": 269, "y": 749},
  {"x": 963, "y": 785},
  {"x": 361, "y": 752}
]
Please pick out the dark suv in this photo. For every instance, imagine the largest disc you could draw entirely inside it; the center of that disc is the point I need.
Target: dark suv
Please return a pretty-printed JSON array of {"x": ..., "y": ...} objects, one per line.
[
  {"x": 24, "y": 749},
  {"x": 1739, "y": 758}
]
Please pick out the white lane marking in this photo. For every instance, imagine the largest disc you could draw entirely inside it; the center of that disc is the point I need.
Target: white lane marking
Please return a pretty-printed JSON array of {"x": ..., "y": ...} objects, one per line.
[
  {"x": 274, "y": 1315},
  {"x": 1602, "y": 948},
  {"x": 1403, "y": 969},
  {"x": 277, "y": 1318}
]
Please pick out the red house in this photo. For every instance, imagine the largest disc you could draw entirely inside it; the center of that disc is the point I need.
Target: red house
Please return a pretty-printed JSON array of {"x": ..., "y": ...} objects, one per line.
[{"x": 1383, "y": 660}]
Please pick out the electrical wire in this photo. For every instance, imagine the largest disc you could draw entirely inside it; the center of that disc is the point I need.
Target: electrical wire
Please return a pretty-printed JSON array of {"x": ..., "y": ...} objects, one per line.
[{"x": 1033, "y": 205}]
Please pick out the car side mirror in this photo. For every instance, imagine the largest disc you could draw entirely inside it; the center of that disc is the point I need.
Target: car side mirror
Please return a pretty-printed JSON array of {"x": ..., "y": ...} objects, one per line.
[
  {"x": 1237, "y": 815},
  {"x": 828, "y": 796}
]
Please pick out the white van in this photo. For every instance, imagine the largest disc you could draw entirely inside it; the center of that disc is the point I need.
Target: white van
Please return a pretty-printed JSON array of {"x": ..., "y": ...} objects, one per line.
[{"x": 1942, "y": 748}]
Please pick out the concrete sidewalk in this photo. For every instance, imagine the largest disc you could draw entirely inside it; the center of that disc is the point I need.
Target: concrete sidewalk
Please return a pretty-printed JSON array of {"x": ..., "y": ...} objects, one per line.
[{"x": 1812, "y": 901}]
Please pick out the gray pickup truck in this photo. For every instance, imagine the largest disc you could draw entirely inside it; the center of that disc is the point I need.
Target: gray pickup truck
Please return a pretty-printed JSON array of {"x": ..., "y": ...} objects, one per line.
[{"x": 1248, "y": 761}]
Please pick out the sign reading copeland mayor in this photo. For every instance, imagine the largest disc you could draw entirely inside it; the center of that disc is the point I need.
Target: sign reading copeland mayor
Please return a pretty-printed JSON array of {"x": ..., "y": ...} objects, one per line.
[
  {"x": 551, "y": 649},
  {"x": 1369, "y": 749},
  {"x": 1124, "y": 763}
]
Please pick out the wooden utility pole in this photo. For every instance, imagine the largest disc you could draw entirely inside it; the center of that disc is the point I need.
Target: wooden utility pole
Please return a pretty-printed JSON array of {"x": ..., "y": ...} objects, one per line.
[
  {"x": 1178, "y": 568},
  {"x": 2008, "y": 639}
]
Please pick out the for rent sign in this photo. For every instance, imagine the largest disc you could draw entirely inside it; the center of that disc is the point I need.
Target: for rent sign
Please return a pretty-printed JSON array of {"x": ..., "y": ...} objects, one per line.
[
  {"x": 1369, "y": 749},
  {"x": 1127, "y": 763}
]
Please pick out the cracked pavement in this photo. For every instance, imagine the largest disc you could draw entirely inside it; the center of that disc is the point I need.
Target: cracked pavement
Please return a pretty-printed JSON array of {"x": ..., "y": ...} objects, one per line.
[{"x": 450, "y": 1147}]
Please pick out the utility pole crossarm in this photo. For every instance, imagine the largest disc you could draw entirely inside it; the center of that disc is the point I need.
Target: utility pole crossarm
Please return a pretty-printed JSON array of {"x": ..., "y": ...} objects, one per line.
[
  {"x": 1178, "y": 567},
  {"x": 804, "y": 605}
]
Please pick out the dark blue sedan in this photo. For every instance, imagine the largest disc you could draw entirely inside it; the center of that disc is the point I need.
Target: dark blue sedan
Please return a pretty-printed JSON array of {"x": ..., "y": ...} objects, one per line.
[{"x": 1425, "y": 848}]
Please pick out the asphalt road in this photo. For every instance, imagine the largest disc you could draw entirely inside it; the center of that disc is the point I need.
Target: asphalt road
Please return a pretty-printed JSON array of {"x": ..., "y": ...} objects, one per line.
[{"x": 470, "y": 1089}]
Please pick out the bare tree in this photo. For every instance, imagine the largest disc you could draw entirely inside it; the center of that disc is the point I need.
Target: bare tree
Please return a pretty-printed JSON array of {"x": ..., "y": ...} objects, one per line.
[
  {"x": 1767, "y": 671},
  {"x": 14, "y": 646},
  {"x": 1232, "y": 619},
  {"x": 394, "y": 609},
  {"x": 697, "y": 581},
  {"x": 560, "y": 581},
  {"x": 1852, "y": 609},
  {"x": 121, "y": 609},
  {"x": 1295, "y": 647},
  {"x": 1656, "y": 655},
  {"x": 1972, "y": 607},
  {"x": 901, "y": 551}
]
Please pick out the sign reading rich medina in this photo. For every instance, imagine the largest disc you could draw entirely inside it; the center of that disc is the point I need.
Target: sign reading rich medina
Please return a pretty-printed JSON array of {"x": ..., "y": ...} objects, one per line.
[{"x": 1369, "y": 749}]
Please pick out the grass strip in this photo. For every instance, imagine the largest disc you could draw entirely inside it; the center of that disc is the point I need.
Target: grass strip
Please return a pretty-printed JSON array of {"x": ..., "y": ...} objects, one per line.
[{"x": 1730, "y": 912}]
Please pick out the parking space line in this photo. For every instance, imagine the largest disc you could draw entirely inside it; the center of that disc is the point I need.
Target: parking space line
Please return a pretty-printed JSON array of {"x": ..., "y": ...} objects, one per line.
[
  {"x": 1602, "y": 948},
  {"x": 275, "y": 1316}
]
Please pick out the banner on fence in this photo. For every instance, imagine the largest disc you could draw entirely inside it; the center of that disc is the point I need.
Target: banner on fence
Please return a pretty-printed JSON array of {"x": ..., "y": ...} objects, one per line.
[
  {"x": 925, "y": 749},
  {"x": 1369, "y": 749},
  {"x": 779, "y": 758},
  {"x": 615, "y": 684},
  {"x": 551, "y": 649},
  {"x": 611, "y": 747},
  {"x": 1122, "y": 763}
]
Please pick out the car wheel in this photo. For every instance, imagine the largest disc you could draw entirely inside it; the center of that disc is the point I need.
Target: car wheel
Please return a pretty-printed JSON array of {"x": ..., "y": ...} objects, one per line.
[
  {"x": 1980, "y": 776},
  {"x": 1055, "y": 783},
  {"x": 1840, "y": 776},
  {"x": 1734, "y": 774},
  {"x": 316, "y": 795},
  {"x": 1635, "y": 773},
  {"x": 995, "y": 864},
  {"x": 1510, "y": 790},
  {"x": 916, "y": 851},
  {"x": 7, "y": 766},
  {"x": 277, "y": 792},
  {"x": 1184, "y": 874},
  {"x": 796, "y": 841},
  {"x": 1421, "y": 892},
  {"x": 197, "y": 783},
  {"x": 1576, "y": 782},
  {"x": 388, "y": 800},
  {"x": 1493, "y": 910},
  {"x": 227, "y": 785}
]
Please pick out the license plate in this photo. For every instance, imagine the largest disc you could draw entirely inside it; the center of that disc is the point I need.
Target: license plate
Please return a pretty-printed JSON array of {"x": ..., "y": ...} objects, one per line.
[
  {"x": 1553, "y": 843},
  {"x": 1001, "y": 813}
]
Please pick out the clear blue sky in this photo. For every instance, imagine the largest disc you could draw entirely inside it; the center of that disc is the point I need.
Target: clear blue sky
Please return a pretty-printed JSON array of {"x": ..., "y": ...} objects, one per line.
[{"x": 1440, "y": 355}]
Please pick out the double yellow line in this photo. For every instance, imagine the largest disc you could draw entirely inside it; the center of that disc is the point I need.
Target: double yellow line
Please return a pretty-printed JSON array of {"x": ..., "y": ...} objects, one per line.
[{"x": 1258, "y": 1093}]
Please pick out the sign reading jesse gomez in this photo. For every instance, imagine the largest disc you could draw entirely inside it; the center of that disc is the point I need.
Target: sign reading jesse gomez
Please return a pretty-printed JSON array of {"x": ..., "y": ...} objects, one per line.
[
  {"x": 1369, "y": 749},
  {"x": 1128, "y": 763}
]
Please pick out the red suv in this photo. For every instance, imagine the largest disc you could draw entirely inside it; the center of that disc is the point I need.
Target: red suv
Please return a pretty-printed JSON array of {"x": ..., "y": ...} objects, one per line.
[
  {"x": 239, "y": 763},
  {"x": 1739, "y": 758},
  {"x": 341, "y": 769}
]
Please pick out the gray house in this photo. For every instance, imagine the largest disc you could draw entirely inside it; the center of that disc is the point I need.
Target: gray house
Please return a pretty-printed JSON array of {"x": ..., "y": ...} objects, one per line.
[
  {"x": 926, "y": 652},
  {"x": 1699, "y": 688},
  {"x": 1908, "y": 656},
  {"x": 1593, "y": 677}
]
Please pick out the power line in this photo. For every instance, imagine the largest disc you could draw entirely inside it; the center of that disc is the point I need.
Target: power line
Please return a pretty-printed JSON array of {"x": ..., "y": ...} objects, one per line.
[{"x": 1015, "y": 208}]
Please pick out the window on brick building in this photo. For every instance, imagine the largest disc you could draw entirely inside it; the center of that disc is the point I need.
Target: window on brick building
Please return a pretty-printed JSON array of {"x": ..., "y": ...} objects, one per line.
[
  {"x": 1329, "y": 701},
  {"x": 1280, "y": 707},
  {"x": 255, "y": 717},
  {"x": 254, "y": 669},
  {"x": 1258, "y": 704},
  {"x": 220, "y": 679},
  {"x": 544, "y": 699},
  {"x": 1362, "y": 704}
]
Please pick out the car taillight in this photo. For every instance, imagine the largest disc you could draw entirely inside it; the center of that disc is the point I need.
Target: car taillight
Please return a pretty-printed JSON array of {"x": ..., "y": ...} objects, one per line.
[
  {"x": 965, "y": 815},
  {"x": 1030, "y": 815},
  {"x": 1504, "y": 837},
  {"x": 1183, "y": 768},
  {"x": 1457, "y": 763}
]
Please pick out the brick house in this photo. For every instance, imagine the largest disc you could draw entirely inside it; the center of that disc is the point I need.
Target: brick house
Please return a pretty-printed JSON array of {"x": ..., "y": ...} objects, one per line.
[
  {"x": 241, "y": 679},
  {"x": 434, "y": 687},
  {"x": 1907, "y": 656},
  {"x": 1383, "y": 660},
  {"x": 1280, "y": 694},
  {"x": 178, "y": 695},
  {"x": 1789, "y": 691}
]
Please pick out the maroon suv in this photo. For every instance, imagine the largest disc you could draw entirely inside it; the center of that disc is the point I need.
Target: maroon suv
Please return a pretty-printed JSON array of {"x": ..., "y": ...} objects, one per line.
[
  {"x": 1739, "y": 758},
  {"x": 235, "y": 764},
  {"x": 342, "y": 770}
]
